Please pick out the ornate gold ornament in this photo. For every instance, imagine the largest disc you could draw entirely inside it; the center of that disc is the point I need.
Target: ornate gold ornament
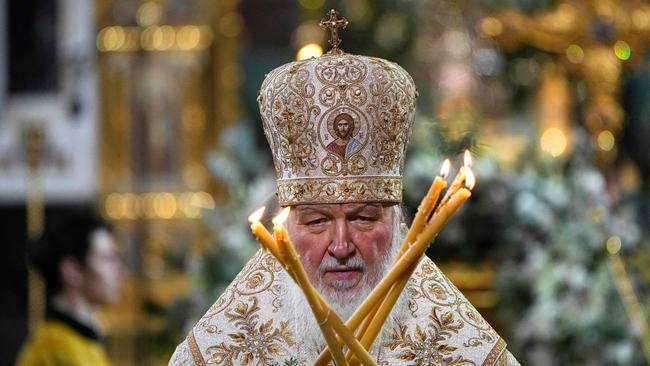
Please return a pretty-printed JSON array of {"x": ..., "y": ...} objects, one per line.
[
  {"x": 333, "y": 24},
  {"x": 338, "y": 125}
]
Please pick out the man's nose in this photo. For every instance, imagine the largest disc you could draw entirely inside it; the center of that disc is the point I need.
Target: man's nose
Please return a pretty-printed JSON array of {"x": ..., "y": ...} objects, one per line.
[{"x": 341, "y": 246}]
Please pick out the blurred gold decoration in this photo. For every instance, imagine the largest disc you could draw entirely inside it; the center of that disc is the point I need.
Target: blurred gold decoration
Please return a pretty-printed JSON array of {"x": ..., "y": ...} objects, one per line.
[
  {"x": 149, "y": 13},
  {"x": 606, "y": 141},
  {"x": 160, "y": 205},
  {"x": 358, "y": 11},
  {"x": 33, "y": 137},
  {"x": 167, "y": 90},
  {"x": 633, "y": 307},
  {"x": 308, "y": 32},
  {"x": 475, "y": 281},
  {"x": 456, "y": 110},
  {"x": 154, "y": 38},
  {"x": 613, "y": 244},
  {"x": 597, "y": 38},
  {"x": 553, "y": 111}
]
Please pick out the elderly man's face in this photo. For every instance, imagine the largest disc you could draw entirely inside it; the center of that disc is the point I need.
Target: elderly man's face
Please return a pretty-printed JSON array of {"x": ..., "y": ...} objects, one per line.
[{"x": 341, "y": 245}]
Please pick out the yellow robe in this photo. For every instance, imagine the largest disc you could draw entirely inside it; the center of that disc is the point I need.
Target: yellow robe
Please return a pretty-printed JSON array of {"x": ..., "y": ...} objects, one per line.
[{"x": 58, "y": 344}]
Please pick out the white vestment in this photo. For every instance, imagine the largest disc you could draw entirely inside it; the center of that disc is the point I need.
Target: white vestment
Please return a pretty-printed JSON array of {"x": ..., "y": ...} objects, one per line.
[{"x": 251, "y": 324}]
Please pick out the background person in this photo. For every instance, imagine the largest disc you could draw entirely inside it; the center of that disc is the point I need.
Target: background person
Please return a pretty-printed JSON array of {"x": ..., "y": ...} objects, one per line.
[{"x": 82, "y": 271}]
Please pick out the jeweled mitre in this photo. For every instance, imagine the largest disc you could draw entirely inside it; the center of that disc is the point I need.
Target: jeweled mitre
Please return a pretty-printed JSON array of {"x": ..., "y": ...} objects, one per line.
[{"x": 338, "y": 126}]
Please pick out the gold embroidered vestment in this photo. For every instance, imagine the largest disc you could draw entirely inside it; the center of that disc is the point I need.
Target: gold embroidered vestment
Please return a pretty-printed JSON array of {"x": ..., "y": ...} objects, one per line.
[{"x": 250, "y": 324}]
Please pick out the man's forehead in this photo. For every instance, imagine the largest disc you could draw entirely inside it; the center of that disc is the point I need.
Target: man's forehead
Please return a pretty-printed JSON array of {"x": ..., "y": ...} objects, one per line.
[{"x": 334, "y": 207}]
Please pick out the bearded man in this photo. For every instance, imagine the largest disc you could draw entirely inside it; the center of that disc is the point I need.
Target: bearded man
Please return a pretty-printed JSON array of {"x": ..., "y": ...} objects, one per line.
[{"x": 346, "y": 225}]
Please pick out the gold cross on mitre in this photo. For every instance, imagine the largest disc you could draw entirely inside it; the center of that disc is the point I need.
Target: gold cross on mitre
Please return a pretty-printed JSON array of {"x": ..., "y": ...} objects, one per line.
[{"x": 334, "y": 23}]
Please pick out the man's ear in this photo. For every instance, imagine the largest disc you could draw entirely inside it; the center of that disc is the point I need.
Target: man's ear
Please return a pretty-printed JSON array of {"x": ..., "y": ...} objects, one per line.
[{"x": 71, "y": 272}]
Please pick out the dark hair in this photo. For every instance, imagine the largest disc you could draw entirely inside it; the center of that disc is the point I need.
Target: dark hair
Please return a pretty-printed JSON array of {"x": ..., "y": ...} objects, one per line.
[{"x": 65, "y": 236}]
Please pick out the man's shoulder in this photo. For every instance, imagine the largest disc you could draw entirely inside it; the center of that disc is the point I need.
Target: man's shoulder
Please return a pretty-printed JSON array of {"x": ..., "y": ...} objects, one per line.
[
  {"x": 439, "y": 317},
  {"x": 252, "y": 302},
  {"x": 56, "y": 343},
  {"x": 182, "y": 356}
]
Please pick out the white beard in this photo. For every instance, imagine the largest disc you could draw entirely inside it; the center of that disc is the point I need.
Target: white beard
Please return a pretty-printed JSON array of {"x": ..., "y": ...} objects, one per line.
[{"x": 306, "y": 330}]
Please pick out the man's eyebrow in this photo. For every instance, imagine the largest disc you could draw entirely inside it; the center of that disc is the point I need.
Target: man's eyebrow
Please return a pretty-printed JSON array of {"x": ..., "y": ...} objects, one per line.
[
  {"x": 307, "y": 210},
  {"x": 362, "y": 207}
]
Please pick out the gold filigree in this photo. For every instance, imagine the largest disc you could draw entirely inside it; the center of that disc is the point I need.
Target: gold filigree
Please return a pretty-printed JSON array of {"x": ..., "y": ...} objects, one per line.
[
  {"x": 255, "y": 341},
  {"x": 379, "y": 189},
  {"x": 258, "y": 276},
  {"x": 341, "y": 71},
  {"x": 194, "y": 349},
  {"x": 451, "y": 332},
  {"x": 429, "y": 345},
  {"x": 498, "y": 353},
  {"x": 435, "y": 288}
]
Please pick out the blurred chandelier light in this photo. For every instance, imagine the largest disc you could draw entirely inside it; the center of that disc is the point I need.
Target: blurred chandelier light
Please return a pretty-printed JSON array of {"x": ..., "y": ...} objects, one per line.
[
  {"x": 622, "y": 50},
  {"x": 154, "y": 38},
  {"x": 553, "y": 141},
  {"x": 308, "y": 51},
  {"x": 606, "y": 140},
  {"x": 157, "y": 205},
  {"x": 575, "y": 54}
]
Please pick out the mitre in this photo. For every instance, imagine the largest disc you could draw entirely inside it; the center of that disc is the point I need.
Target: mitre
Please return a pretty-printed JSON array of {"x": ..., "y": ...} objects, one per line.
[{"x": 338, "y": 126}]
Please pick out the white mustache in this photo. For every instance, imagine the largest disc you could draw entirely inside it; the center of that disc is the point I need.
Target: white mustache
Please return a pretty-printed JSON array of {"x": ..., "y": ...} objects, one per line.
[{"x": 330, "y": 263}]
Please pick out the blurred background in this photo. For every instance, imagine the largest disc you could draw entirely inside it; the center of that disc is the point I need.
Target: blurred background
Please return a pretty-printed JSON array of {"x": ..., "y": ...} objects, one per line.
[{"x": 146, "y": 112}]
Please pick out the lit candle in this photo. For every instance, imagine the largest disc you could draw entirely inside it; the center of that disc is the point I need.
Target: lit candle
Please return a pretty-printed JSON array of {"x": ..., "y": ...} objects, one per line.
[
  {"x": 260, "y": 232},
  {"x": 459, "y": 179},
  {"x": 426, "y": 206},
  {"x": 377, "y": 318}
]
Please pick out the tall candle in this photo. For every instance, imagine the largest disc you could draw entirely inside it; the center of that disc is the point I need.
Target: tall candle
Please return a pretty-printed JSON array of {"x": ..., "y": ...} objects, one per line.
[{"x": 426, "y": 206}]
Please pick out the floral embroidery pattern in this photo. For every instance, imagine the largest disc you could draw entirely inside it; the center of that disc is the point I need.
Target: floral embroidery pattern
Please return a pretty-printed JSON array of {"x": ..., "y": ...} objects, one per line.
[
  {"x": 336, "y": 190},
  {"x": 429, "y": 346},
  {"x": 257, "y": 276},
  {"x": 255, "y": 343},
  {"x": 251, "y": 325}
]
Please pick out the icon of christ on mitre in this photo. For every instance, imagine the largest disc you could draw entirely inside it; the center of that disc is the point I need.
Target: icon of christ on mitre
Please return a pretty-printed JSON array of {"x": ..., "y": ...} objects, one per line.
[{"x": 338, "y": 127}]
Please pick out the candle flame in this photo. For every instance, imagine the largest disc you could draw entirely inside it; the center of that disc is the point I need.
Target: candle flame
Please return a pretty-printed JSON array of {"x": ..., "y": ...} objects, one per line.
[
  {"x": 282, "y": 216},
  {"x": 257, "y": 215},
  {"x": 446, "y": 167},
  {"x": 470, "y": 178},
  {"x": 467, "y": 158}
]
